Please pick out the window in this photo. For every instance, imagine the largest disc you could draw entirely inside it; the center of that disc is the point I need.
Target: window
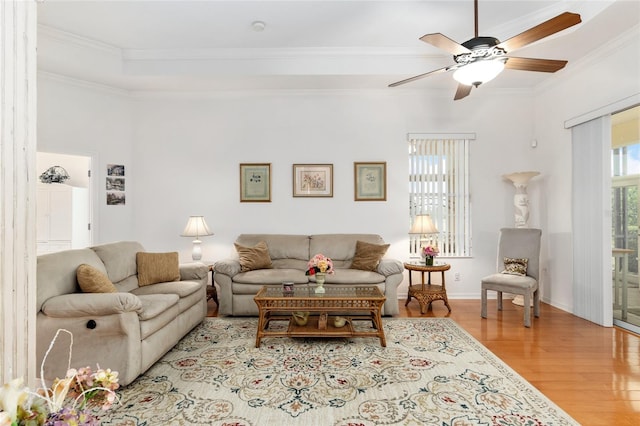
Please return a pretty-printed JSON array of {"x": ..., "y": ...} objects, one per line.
[{"x": 439, "y": 186}]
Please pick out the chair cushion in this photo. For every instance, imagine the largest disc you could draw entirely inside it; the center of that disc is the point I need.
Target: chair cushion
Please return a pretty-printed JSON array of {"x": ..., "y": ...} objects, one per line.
[
  {"x": 515, "y": 266},
  {"x": 508, "y": 282},
  {"x": 92, "y": 280},
  {"x": 256, "y": 257},
  {"x": 156, "y": 268},
  {"x": 368, "y": 255}
]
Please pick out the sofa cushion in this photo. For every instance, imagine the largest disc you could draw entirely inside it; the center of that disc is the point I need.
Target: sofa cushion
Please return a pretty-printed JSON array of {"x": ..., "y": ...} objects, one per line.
[
  {"x": 281, "y": 246},
  {"x": 256, "y": 257},
  {"x": 181, "y": 288},
  {"x": 367, "y": 256},
  {"x": 57, "y": 272},
  {"x": 352, "y": 276},
  {"x": 271, "y": 276},
  {"x": 119, "y": 259},
  {"x": 156, "y": 268},
  {"x": 92, "y": 280},
  {"x": 340, "y": 247}
]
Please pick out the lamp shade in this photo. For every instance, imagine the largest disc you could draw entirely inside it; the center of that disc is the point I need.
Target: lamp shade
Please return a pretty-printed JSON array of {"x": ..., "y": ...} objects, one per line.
[
  {"x": 478, "y": 72},
  {"x": 196, "y": 227},
  {"x": 423, "y": 224}
]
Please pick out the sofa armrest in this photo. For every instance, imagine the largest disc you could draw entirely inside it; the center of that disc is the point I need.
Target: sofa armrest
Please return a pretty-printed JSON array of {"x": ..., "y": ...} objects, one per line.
[
  {"x": 389, "y": 267},
  {"x": 229, "y": 267},
  {"x": 91, "y": 304},
  {"x": 195, "y": 271}
]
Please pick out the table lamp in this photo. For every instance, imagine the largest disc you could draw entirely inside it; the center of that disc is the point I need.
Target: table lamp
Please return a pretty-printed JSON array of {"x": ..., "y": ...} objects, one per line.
[
  {"x": 196, "y": 227},
  {"x": 423, "y": 225}
]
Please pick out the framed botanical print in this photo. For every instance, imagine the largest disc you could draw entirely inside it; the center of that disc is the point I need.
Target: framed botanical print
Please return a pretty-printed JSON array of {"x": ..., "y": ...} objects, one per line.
[
  {"x": 313, "y": 180},
  {"x": 370, "y": 181},
  {"x": 255, "y": 182}
]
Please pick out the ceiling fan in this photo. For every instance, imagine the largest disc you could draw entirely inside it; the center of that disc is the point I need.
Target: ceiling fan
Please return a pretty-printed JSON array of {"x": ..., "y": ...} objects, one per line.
[{"x": 482, "y": 58}]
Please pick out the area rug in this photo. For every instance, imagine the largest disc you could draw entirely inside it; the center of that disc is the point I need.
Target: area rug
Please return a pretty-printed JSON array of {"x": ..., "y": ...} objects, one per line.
[{"x": 432, "y": 372}]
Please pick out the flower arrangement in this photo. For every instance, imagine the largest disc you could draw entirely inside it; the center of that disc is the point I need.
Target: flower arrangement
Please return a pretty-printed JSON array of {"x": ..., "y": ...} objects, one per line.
[
  {"x": 319, "y": 264},
  {"x": 430, "y": 251},
  {"x": 67, "y": 402}
]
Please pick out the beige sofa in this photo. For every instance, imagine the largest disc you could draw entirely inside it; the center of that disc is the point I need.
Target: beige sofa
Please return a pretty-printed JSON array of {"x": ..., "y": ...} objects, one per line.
[
  {"x": 126, "y": 331},
  {"x": 289, "y": 256}
]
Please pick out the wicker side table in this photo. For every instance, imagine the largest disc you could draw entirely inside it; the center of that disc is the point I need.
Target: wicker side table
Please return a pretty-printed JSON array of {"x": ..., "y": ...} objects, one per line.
[{"x": 426, "y": 293}]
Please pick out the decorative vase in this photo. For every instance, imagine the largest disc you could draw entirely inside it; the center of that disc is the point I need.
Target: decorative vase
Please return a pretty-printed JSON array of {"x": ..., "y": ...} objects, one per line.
[
  {"x": 320, "y": 276},
  {"x": 428, "y": 260}
]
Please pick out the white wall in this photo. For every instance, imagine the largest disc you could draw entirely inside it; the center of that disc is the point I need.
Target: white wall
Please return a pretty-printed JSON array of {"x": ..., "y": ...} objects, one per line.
[
  {"x": 93, "y": 121},
  {"x": 187, "y": 153}
]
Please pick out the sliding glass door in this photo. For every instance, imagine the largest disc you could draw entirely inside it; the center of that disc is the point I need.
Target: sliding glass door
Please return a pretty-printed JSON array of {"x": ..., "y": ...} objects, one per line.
[{"x": 625, "y": 207}]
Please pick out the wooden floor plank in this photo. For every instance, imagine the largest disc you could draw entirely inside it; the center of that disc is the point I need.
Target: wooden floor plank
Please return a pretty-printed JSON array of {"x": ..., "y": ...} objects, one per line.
[{"x": 591, "y": 372}]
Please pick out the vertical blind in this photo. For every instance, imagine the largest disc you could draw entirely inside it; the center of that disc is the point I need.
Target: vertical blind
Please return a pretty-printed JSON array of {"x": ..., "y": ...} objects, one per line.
[
  {"x": 591, "y": 220},
  {"x": 439, "y": 186}
]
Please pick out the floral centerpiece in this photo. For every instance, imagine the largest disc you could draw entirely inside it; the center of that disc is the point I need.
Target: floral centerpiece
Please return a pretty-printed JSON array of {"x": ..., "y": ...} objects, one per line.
[
  {"x": 319, "y": 265},
  {"x": 429, "y": 252},
  {"x": 68, "y": 401}
]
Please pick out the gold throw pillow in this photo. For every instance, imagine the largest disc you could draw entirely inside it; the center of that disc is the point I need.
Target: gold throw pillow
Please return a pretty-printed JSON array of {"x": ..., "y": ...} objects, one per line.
[
  {"x": 256, "y": 257},
  {"x": 368, "y": 256},
  {"x": 156, "y": 268},
  {"x": 92, "y": 280}
]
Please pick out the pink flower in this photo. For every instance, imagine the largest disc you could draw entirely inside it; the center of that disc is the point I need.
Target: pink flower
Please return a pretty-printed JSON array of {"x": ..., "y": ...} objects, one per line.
[{"x": 431, "y": 251}]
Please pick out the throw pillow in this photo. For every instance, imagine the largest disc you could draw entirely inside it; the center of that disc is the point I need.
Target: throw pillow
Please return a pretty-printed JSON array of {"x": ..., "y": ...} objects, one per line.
[
  {"x": 256, "y": 257},
  {"x": 515, "y": 266},
  {"x": 156, "y": 268},
  {"x": 92, "y": 280},
  {"x": 368, "y": 255}
]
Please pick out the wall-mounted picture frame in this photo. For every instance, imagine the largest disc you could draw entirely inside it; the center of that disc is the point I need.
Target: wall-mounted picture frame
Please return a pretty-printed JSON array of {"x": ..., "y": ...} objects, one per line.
[
  {"x": 370, "y": 181},
  {"x": 255, "y": 182},
  {"x": 313, "y": 180}
]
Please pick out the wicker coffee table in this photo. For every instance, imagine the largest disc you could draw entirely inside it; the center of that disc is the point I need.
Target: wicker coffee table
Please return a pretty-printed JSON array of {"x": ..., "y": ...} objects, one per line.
[{"x": 352, "y": 303}]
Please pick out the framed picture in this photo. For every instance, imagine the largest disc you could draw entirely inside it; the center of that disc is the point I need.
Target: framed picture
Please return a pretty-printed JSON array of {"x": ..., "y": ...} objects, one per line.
[
  {"x": 255, "y": 182},
  {"x": 370, "y": 181},
  {"x": 313, "y": 180}
]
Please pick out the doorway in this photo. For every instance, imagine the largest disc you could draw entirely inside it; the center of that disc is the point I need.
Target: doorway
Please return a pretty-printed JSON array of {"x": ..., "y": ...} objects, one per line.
[
  {"x": 64, "y": 213},
  {"x": 625, "y": 203}
]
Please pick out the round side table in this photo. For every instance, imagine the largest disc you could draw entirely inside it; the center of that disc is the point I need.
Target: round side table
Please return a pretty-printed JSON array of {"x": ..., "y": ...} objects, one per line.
[{"x": 426, "y": 293}]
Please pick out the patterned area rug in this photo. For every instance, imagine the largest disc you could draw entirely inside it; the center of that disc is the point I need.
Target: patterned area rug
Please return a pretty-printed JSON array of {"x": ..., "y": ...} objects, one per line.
[{"x": 431, "y": 373}]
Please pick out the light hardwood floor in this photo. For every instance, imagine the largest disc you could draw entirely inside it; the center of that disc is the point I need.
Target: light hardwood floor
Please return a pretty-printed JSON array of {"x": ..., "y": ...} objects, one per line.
[{"x": 591, "y": 372}]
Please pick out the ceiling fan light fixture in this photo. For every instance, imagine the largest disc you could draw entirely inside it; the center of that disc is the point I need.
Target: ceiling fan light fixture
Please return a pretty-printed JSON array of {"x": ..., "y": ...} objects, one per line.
[{"x": 479, "y": 72}]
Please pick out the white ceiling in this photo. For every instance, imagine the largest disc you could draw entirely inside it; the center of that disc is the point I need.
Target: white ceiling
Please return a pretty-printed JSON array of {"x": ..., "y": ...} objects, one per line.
[{"x": 211, "y": 45}]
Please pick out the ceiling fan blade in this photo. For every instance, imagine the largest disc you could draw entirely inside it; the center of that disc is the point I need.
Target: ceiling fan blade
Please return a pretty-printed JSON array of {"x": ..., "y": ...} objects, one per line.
[
  {"x": 417, "y": 77},
  {"x": 462, "y": 92},
  {"x": 445, "y": 43},
  {"x": 552, "y": 26},
  {"x": 533, "y": 64}
]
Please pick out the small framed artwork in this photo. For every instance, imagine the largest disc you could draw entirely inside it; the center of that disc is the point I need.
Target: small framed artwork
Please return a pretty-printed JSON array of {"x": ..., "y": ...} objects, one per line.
[
  {"x": 313, "y": 180},
  {"x": 255, "y": 182},
  {"x": 370, "y": 181}
]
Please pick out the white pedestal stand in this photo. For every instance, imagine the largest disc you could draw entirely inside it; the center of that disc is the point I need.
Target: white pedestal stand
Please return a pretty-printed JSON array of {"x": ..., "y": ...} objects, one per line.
[{"x": 521, "y": 204}]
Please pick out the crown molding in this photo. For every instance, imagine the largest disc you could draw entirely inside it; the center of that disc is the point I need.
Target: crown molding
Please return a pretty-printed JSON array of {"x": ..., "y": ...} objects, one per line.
[
  {"x": 271, "y": 53},
  {"x": 45, "y": 31},
  {"x": 84, "y": 84}
]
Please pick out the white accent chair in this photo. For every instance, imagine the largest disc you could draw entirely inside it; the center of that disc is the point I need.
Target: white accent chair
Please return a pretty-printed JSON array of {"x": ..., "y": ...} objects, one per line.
[{"x": 516, "y": 243}]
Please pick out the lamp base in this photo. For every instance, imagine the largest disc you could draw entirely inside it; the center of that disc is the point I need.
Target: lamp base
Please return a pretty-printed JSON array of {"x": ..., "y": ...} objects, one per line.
[{"x": 196, "y": 254}]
